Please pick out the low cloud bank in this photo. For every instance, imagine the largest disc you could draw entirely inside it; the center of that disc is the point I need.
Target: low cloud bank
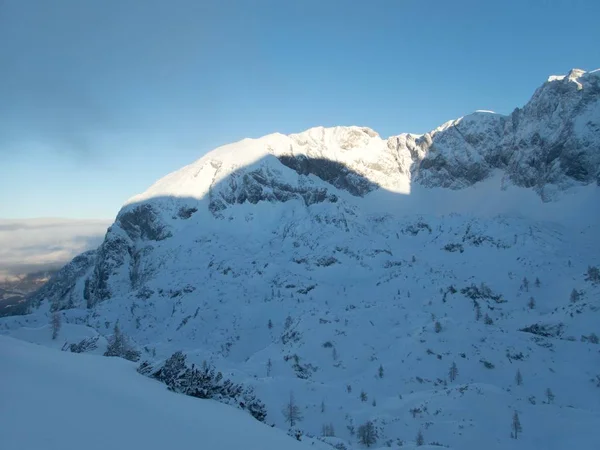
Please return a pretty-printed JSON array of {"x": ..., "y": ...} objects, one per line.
[{"x": 34, "y": 245}]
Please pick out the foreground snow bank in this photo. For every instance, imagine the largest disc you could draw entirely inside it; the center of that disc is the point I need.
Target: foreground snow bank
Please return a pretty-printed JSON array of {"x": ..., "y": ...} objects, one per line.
[{"x": 59, "y": 400}]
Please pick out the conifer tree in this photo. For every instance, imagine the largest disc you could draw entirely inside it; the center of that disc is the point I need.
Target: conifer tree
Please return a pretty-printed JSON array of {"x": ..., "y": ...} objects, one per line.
[
  {"x": 420, "y": 440},
  {"x": 367, "y": 434},
  {"x": 549, "y": 395},
  {"x": 291, "y": 411},
  {"x": 453, "y": 373},
  {"x": 55, "y": 323},
  {"x": 519, "y": 378},
  {"x": 516, "y": 426}
]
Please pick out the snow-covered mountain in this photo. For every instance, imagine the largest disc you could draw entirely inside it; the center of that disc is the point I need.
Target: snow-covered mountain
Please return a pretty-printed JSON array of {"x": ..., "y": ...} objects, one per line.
[{"x": 356, "y": 270}]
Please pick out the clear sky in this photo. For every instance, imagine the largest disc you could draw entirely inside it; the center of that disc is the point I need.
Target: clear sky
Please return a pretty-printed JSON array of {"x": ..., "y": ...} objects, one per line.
[{"x": 98, "y": 99}]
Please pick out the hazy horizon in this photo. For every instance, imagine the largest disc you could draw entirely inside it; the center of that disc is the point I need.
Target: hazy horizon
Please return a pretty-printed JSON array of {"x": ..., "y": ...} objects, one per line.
[{"x": 33, "y": 245}]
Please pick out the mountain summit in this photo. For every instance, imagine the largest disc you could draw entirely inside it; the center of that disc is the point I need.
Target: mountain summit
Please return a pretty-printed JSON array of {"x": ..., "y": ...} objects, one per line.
[{"x": 401, "y": 280}]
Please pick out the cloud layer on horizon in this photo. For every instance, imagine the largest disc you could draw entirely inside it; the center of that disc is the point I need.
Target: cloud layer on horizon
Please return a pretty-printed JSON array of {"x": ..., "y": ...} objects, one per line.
[{"x": 34, "y": 245}]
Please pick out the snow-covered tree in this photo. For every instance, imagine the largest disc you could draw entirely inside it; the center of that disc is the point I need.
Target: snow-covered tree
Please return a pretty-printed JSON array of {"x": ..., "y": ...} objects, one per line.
[
  {"x": 575, "y": 295},
  {"x": 525, "y": 285},
  {"x": 549, "y": 395},
  {"x": 327, "y": 430},
  {"x": 380, "y": 371},
  {"x": 453, "y": 372},
  {"x": 173, "y": 369},
  {"x": 519, "y": 378},
  {"x": 531, "y": 303},
  {"x": 477, "y": 311},
  {"x": 55, "y": 324},
  {"x": 420, "y": 440},
  {"x": 367, "y": 434},
  {"x": 291, "y": 411},
  {"x": 363, "y": 396},
  {"x": 516, "y": 426}
]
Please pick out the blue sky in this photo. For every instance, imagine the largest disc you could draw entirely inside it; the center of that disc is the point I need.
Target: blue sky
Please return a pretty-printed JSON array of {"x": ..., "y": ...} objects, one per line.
[{"x": 101, "y": 98}]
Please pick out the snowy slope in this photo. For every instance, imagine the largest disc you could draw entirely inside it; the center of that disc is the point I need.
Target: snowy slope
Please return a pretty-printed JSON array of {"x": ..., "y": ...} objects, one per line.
[
  {"x": 73, "y": 401},
  {"x": 307, "y": 262}
]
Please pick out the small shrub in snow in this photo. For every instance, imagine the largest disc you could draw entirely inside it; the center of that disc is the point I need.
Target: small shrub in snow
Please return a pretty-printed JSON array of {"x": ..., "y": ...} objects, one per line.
[
  {"x": 593, "y": 338},
  {"x": 295, "y": 433},
  {"x": 119, "y": 345},
  {"x": 487, "y": 364},
  {"x": 531, "y": 303},
  {"x": 593, "y": 275},
  {"x": 482, "y": 291},
  {"x": 415, "y": 411},
  {"x": 204, "y": 382},
  {"x": 488, "y": 320},
  {"x": 380, "y": 371},
  {"x": 145, "y": 368},
  {"x": 454, "y": 248},
  {"x": 85, "y": 345},
  {"x": 363, "y": 396},
  {"x": 438, "y": 327}
]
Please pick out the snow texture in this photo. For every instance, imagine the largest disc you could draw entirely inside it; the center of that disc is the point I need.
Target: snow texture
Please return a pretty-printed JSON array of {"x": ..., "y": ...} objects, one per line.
[{"x": 72, "y": 401}]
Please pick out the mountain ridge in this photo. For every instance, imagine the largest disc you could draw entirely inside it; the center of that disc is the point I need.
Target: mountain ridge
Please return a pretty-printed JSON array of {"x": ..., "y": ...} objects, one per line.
[{"x": 457, "y": 154}]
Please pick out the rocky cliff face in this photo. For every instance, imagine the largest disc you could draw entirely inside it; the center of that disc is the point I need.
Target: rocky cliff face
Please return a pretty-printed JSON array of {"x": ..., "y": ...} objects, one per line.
[{"x": 550, "y": 144}]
